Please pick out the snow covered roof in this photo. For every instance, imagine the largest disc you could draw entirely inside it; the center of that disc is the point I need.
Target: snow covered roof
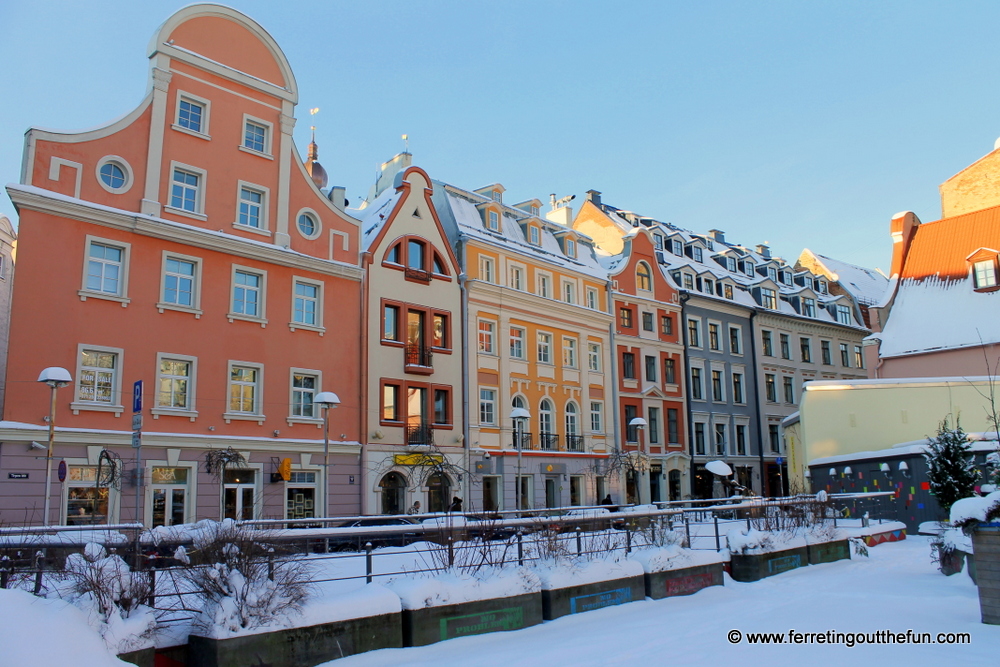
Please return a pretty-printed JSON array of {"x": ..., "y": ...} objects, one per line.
[
  {"x": 935, "y": 314},
  {"x": 867, "y": 286},
  {"x": 459, "y": 208},
  {"x": 374, "y": 216}
]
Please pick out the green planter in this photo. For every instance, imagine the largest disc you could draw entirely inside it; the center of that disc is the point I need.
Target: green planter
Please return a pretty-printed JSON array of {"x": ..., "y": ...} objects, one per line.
[
  {"x": 558, "y": 602},
  {"x": 298, "y": 647},
  {"x": 754, "y": 567},
  {"x": 434, "y": 624},
  {"x": 986, "y": 546},
  {"x": 683, "y": 581},
  {"x": 828, "y": 552}
]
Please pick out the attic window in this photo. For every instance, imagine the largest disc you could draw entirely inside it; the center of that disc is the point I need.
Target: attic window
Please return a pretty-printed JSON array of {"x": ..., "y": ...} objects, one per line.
[
  {"x": 772, "y": 273},
  {"x": 748, "y": 268},
  {"x": 659, "y": 241},
  {"x": 570, "y": 248},
  {"x": 534, "y": 211},
  {"x": 678, "y": 249},
  {"x": 697, "y": 254},
  {"x": 498, "y": 196},
  {"x": 821, "y": 286},
  {"x": 985, "y": 274},
  {"x": 533, "y": 237},
  {"x": 728, "y": 291},
  {"x": 493, "y": 221},
  {"x": 731, "y": 263}
]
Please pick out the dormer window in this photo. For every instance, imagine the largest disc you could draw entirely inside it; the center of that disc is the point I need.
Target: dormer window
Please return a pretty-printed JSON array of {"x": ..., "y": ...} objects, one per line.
[
  {"x": 709, "y": 285},
  {"x": 697, "y": 254},
  {"x": 728, "y": 291},
  {"x": 688, "y": 281},
  {"x": 498, "y": 196},
  {"x": 821, "y": 286},
  {"x": 534, "y": 211},
  {"x": 748, "y": 269},
  {"x": 643, "y": 277},
  {"x": 678, "y": 247},
  {"x": 768, "y": 299},
  {"x": 786, "y": 277},
  {"x": 493, "y": 221},
  {"x": 809, "y": 307},
  {"x": 731, "y": 263},
  {"x": 844, "y": 315},
  {"x": 570, "y": 248},
  {"x": 772, "y": 273},
  {"x": 658, "y": 241},
  {"x": 985, "y": 274},
  {"x": 533, "y": 235}
]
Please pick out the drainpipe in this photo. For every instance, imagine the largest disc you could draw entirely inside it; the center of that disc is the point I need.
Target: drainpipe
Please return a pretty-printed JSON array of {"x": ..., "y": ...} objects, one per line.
[
  {"x": 682, "y": 331},
  {"x": 614, "y": 384},
  {"x": 756, "y": 399},
  {"x": 466, "y": 483},
  {"x": 366, "y": 260}
]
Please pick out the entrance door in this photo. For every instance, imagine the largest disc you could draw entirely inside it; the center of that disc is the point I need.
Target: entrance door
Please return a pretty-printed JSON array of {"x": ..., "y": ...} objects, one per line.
[
  {"x": 655, "y": 475},
  {"x": 238, "y": 495},
  {"x": 575, "y": 490},
  {"x": 393, "y": 489},
  {"x": 674, "y": 480},
  {"x": 551, "y": 492},
  {"x": 438, "y": 493},
  {"x": 491, "y": 494},
  {"x": 169, "y": 488}
]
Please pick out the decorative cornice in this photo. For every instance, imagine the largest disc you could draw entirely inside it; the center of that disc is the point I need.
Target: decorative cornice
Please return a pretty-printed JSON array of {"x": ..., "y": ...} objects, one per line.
[
  {"x": 35, "y": 199},
  {"x": 161, "y": 79}
]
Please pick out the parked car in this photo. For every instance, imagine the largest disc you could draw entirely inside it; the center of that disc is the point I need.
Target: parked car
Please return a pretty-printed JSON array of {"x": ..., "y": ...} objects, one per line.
[{"x": 356, "y": 542}]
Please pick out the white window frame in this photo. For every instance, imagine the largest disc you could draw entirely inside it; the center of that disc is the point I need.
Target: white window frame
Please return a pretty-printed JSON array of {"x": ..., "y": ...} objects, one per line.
[
  {"x": 700, "y": 343},
  {"x": 319, "y": 285},
  {"x": 317, "y": 417},
  {"x": 738, "y": 373},
  {"x": 534, "y": 235},
  {"x": 517, "y": 277},
  {"x": 491, "y": 336},
  {"x": 543, "y": 278},
  {"x": 718, "y": 336},
  {"x": 522, "y": 339},
  {"x": 768, "y": 298},
  {"x": 569, "y": 291},
  {"x": 594, "y": 357},
  {"x": 192, "y": 384},
  {"x": 808, "y": 307},
  {"x": 195, "y": 307},
  {"x": 570, "y": 352},
  {"x": 315, "y": 218},
  {"x": 488, "y": 406},
  {"x": 844, "y": 314},
  {"x": 985, "y": 273},
  {"x": 122, "y": 296},
  {"x": 699, "y": 395},
  {"x": 206, "y": 108},
  {"x": 122, "y": 164},
  {"x": 261, "y": 318},
  {"x": 258, "y": 412},
  {"x": 593, "y": 301},
  {"x": 570, "y": 248},
  {"x": 492, "y": 220},
  {"x": 597, "y": 416},
  {"x": 739, "y": 338},
  {"x": 199, "y": 201},
  {"x": 268, "y": 136},
  {"x": 265, "y": 205},
  {"x": 487, "y": 269},
  {"x": 544, "y": 343},
  {"x": 749, "y": 269},
  {"x": 115, "y": 405}
]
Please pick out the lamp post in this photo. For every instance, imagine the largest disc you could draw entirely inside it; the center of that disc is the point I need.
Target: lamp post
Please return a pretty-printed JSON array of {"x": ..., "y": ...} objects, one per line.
[
  {"x": 638, "y": 423},
  {"x": 326, "y": 400},
  {"x": 518, "y": 415},
  {"x": 55, "y": 377}
]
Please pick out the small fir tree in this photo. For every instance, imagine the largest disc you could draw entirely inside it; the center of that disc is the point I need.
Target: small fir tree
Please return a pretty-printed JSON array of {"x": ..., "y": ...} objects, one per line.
[{"x": 950, "y": 466}]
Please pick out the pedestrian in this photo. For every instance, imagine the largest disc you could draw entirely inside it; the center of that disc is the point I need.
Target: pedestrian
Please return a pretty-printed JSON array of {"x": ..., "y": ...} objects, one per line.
[
  {"x": 414, "y": 508},
  {"x": 607, "y": 500},
  {"x": 456, "y": 505}
]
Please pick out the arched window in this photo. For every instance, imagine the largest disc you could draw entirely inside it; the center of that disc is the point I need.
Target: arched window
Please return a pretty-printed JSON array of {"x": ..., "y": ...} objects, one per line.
[
  {"x": 572, "y": 419},
  {"x": 546, "y": 437},
  {"x": 438, "y": 492},
  {"x": 393, "y": 488},
  {"x": 643, "y": 277}
]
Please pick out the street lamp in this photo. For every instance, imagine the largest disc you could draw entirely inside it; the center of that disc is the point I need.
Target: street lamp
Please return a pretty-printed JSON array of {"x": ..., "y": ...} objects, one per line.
[
  {"x": 326, "y": 400},
  {"x": 519, "y": 415},
  {"x": 55, "y": 377},
  {"x": 638, "y": 423}
]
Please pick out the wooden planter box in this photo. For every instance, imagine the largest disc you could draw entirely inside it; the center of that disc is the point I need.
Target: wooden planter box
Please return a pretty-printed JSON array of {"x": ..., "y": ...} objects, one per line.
[
  {"x": 434, "y": 624},
  {"x": 754, "y": 567},
  {"x": 986, "y": 546},
  {"x": 828, "y": 552},
  {"x": 144, "y": 657},
  {"x": 298, "y": 647},
  {"x": 683, "y": 581},
  {"x": 888, "y": 536},
  {"x": 558, "y": 602}
]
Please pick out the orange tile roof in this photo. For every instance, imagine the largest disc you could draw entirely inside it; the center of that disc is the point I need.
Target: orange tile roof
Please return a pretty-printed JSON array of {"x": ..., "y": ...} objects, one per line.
[{"x": 940, "y": 247}]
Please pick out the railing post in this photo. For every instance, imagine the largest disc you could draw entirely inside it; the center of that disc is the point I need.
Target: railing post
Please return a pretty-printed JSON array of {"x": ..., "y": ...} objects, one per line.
[
  {"x": 368, "y": 562},
  {"x": 579, "y": 542},
  {"x": 151, "y": 599},
  {"x": 4, "y": 571},
  {"x": 270, "y": 565},
  {"x": 38, "y": 573},
  {"x": 718, "y": 546},
  {"x": 628, "y": 538},
  {"x": 520, "y": 548},
  {"x": 451, "y": 551}
]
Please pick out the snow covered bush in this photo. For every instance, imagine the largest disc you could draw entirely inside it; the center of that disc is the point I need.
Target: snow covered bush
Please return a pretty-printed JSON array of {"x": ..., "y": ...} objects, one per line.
[
  {"x": 113, "y": 596},
  {"x": 968, "y": 513},
  {"x": 950, "y": 466},
  {"x": 243, "y": 582}
]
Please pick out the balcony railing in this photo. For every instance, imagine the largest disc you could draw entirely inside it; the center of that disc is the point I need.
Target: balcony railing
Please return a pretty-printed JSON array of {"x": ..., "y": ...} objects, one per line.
[
  {"x": 417, "y": 274},
  {"x": 525, "y": 440},
  {"x": 548, "y": 441},
  {"x": 419, "y": 434},
  {"x": 418, "y": 358},
  {"x": 574, "y": 443}
]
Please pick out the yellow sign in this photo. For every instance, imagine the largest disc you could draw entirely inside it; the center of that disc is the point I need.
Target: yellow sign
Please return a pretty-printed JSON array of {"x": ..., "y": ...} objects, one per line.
[
  {"x": 285, "y": 469},
  {"x": 417, "y": 459}
]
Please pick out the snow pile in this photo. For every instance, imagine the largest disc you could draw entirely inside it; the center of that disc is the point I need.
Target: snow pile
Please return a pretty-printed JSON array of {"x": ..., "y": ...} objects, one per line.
[
  {"x": 37, "y": 631},
  {"x": 954, "y": 539},
  {"x": 561, "y": 574},
  {"x": 753, "y": 541},
  {"x": 673, "y": 557},
  {"x": 110, "y": 594},
  {"x": 372, "y": 600},
  {"x": 969, "y": 511},
  {"x": 453, "y": 587}
]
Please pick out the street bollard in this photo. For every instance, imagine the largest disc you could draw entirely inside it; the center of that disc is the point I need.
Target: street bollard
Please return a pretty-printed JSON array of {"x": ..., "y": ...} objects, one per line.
[
  {"x": 520, "y": 548},
  {"x": 579, "y": 542},
  {"x": 718, "y": 546},
  {"x": 687, "y": 529},
  {"x": 368, "y": 562},
  {"x": 628, "y": 539}
]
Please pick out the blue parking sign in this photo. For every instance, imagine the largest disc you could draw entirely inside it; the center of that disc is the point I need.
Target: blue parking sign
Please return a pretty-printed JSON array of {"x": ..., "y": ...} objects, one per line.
[{"x": 137, "y": 397}]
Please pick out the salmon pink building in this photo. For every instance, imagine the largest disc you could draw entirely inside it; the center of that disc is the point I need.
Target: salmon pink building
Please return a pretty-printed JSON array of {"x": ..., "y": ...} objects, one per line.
[{"x": 187, "y": 246}]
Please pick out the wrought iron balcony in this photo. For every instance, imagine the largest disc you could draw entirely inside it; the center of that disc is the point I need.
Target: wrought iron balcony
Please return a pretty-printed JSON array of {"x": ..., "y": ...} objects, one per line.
[
  {"x": 417, "y": 274},
  {"x": 419, "y": 434},
  {"x": 419, "y": 359},
  {"x": 574, "y": 443},
  {"x": 549, "y": 441},
  {"x": 525, "y": 440}
]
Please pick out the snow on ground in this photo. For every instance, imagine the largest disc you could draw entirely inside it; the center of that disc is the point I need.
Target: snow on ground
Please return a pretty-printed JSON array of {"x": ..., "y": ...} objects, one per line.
[
  {"x": 897, "y": 588},
  {"x": 37, "y": 631}
]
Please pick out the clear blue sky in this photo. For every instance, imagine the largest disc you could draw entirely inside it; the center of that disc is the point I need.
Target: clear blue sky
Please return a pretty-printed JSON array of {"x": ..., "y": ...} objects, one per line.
[{"x": 804, "y": 124}]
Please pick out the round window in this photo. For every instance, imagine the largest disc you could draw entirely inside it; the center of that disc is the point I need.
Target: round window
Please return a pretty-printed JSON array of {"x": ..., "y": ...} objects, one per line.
[
  {"x": 308, "y": 225},
  {"x": 114, "y": 174}
]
